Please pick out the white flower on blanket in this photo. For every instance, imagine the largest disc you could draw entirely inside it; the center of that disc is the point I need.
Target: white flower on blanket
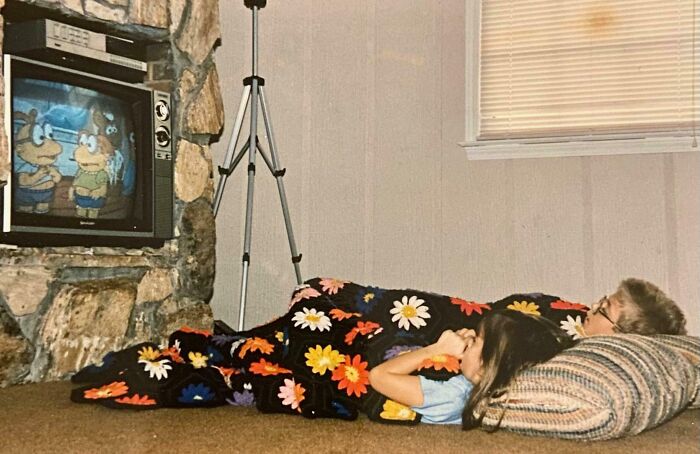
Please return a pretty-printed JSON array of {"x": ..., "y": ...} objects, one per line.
[
  {"x": 236, "y": 344},
  {"x": 310, "y": 318},
  {"x": 159, "y": 369},
  {"x": 573, "y": 327},
  {"x": 410, "y": 311}
]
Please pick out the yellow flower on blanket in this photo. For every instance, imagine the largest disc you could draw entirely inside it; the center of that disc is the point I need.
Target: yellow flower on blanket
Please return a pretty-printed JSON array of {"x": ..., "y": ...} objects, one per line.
[
  {"x": 525, "y": 307},
  {"x": 322, "y": 359},
  {"x": 198, "y": 360},
  {"x": 397, "y": 412},
  {"x": 148, "y": 353}
]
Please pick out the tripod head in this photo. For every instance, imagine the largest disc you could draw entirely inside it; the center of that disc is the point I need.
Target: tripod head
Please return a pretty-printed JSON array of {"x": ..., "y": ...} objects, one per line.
[{"x": 255, "y": 3}]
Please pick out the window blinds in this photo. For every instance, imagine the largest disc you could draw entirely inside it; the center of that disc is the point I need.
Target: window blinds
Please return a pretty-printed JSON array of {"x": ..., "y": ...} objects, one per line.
[{"x": 553, "y": 68}]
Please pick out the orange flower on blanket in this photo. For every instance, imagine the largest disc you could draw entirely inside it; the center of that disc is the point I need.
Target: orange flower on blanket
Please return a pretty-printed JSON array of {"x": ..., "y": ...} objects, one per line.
[
  {"x": 439, "y": 362},
  {"x": 470, "y": 306},
  {"x": 114, "y": 389},
  {"x": 227, "y": 373},
  {"x": 560, "y": 304},
  {"x": 291, "y": 394},
  {"x": 363, "y": 328},
  {"x": 304, "y": 294},
  {"x": 256, "y": 344},
  {"x": 339, "y": 314},
  {"x": 201, "y": 332},
  {"x": 264, "y": 368},
  {"x": 172, "y": 353},
  {"x": 136, "y": 400},
  {"x": 331, "y": 286},
  {"x": 352, "y": 376}
]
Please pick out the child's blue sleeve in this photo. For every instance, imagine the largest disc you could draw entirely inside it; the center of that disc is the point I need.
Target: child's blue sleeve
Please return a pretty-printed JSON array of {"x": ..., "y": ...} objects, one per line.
[{"x": 443, "y": 401}]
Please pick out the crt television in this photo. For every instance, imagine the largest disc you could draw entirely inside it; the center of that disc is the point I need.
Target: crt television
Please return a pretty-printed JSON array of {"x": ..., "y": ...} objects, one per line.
[{"x": 90, "y": 159}]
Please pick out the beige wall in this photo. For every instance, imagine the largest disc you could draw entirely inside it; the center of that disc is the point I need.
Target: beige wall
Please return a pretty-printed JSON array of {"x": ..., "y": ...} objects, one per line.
[{"x": 367, "y": 101}]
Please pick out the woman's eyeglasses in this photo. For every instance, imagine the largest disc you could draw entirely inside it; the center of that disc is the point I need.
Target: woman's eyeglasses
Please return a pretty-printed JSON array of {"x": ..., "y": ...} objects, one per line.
[{"x": 601, "y": 307}]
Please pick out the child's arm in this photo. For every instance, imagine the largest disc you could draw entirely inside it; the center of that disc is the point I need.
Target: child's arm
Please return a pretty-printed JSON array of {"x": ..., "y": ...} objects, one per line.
[{"x": 392, "y": 378}]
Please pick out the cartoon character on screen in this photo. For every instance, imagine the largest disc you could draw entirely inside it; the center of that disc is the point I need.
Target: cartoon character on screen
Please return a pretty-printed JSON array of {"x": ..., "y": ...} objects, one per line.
[
  {"x": 35, "y": 152},
  {"x": 93, "y": 156},
  {"x": 107, "y": 125}
]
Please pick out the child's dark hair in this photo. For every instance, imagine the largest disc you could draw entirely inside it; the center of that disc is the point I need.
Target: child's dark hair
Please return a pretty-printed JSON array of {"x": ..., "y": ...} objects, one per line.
[{"x": 513, "y": 341}]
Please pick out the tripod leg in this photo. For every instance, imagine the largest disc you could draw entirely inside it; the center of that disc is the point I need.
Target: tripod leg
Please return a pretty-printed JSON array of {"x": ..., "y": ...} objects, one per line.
[
  {"x": 233, "y": 141},
  {"x": 279, "y": 173},
  {"x": 252, "y": 149}
]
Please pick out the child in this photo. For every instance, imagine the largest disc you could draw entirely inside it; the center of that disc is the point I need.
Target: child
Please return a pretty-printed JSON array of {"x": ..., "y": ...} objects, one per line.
[{"x": 505, "y": 343}]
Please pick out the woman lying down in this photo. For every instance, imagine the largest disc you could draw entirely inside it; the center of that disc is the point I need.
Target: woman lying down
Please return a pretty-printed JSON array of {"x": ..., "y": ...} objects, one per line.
[{"x": 343, "y": 348}]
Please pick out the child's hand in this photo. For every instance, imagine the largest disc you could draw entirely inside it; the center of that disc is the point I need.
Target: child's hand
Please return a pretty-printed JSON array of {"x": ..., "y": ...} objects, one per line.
[
  {"x": 467, "y": 334},
  {"x": 452, "y": 343}
]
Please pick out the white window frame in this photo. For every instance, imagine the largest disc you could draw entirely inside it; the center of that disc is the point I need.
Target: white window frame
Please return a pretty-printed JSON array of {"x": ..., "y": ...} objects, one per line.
[{"x": 613, "y": 144}]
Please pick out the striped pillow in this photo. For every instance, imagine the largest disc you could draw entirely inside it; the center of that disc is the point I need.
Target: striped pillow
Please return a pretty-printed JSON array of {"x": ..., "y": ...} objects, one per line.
[
  {"x": 689, "y": 347},
  {"x": 605, "y": 387}
]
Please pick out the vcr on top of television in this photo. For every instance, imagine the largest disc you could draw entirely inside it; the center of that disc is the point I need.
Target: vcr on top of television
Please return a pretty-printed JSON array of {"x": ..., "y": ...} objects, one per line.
[{"x": 69, "y": 46}]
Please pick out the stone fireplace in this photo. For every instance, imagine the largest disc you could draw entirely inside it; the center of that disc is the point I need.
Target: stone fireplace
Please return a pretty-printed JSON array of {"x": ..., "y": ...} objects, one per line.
[{"x": 64, "y": 307}]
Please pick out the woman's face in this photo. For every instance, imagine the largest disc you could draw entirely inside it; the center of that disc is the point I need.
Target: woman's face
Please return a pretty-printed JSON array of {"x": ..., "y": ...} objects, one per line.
[
  {"x": 603, "y": 316},
  {"x": 472, "y": 365}
]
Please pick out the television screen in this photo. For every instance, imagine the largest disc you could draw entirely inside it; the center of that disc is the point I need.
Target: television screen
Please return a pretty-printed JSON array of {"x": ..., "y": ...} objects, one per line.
[
  {"x": 86, "y": 168},
  {"x": 74, "y": 151}
]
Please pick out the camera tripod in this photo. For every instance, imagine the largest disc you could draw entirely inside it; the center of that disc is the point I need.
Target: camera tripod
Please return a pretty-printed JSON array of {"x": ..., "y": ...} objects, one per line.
[{"x": 253, "y": 94}]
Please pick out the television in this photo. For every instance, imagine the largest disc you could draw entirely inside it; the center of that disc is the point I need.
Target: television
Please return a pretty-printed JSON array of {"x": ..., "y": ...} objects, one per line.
[{"x": 90, "y": 159}]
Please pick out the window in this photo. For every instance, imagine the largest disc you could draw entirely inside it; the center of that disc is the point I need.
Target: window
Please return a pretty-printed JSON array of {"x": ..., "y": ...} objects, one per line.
[{"x": 580, "y": 77}]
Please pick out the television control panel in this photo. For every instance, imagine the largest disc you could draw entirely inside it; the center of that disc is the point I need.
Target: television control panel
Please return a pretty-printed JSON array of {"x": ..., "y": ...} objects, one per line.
[{"x": 162, "y": 129}]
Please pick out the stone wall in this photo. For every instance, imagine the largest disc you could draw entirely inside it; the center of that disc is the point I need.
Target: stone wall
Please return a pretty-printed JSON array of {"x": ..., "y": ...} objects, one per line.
[{"x": 62, "y": 308}]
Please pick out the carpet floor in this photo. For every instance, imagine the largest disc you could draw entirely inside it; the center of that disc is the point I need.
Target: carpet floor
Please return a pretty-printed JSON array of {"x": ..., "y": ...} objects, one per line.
[{"x": 39, "y": 418}]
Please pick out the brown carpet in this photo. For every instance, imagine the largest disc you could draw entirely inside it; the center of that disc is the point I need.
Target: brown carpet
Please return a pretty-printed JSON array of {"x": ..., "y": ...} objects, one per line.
[{"x": 39, "y": 418}]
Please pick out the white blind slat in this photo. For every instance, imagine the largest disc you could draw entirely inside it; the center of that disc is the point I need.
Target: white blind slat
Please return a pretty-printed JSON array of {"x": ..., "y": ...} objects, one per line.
[{"x": 566, "y": 67}]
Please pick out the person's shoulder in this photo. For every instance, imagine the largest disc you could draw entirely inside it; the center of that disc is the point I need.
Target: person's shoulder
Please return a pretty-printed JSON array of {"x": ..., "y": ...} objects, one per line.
[{"x": 460, "y": 381}]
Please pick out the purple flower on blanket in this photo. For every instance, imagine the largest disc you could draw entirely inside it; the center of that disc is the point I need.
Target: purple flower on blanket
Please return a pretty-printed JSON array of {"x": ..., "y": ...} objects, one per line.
[
  {"x": 242, "y": 399},
  {"x": 196, "y": 394},
  {"x": 220, "y": 340},
  {"x": 399, "y": 349},
  {"x": 367, "y": 298}
]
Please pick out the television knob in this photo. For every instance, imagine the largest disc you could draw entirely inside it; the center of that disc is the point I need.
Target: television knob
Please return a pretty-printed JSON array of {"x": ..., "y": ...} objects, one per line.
[
  {"x": 162, "y": 136},
  {"x": 162, "y": 110}
]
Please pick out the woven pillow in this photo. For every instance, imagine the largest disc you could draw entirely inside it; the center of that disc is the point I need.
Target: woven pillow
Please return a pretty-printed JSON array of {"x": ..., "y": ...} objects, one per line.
[
  {"x": 689, "y": 347},
  {"x": 605, "y": 387}
]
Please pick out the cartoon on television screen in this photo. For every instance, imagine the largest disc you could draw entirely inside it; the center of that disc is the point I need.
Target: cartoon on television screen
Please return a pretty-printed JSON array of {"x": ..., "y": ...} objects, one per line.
[{"x": 73, "y": 153}]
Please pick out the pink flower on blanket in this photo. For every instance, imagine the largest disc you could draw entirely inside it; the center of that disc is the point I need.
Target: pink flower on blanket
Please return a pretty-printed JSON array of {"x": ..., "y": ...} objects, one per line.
[
  {"x": 291, "y": 394},
  {"x": 304, "y": 294},
  {"x": 331, "y": 286}
]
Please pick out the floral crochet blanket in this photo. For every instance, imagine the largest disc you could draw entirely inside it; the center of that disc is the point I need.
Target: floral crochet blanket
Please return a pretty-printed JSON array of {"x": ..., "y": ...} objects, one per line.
[{"x": 313, "y": 361}]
